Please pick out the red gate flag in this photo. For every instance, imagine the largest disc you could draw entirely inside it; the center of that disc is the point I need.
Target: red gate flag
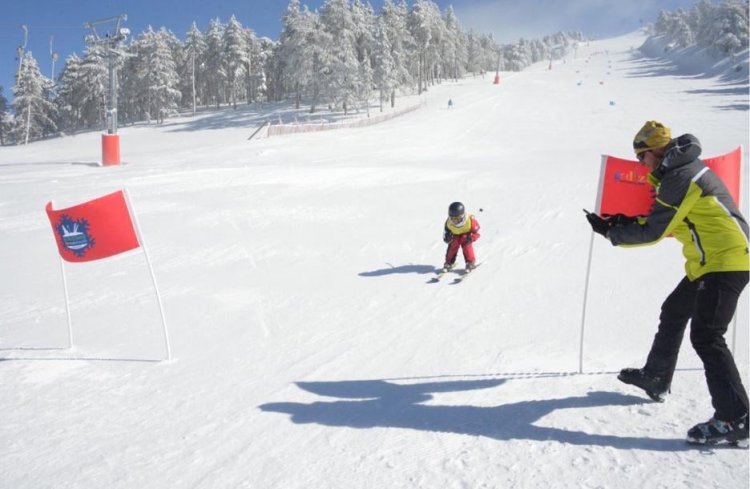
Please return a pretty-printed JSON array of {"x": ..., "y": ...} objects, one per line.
[
  {"x": 624, "y": 187},
  {"x": 727, "y": 167},
  {"x": 93, "y": 230}
]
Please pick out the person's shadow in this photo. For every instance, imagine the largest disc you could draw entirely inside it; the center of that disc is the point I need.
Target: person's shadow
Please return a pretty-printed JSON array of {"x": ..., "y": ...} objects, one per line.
[
  {"x": 419, "y": 269},
  {"x": 377, "y": 403}
]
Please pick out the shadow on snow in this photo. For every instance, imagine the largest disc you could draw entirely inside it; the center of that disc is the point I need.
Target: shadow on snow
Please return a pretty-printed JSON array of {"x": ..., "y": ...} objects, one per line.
[
  {"x": 377, "y": 403},
  {"x": 419, "y": 269}
]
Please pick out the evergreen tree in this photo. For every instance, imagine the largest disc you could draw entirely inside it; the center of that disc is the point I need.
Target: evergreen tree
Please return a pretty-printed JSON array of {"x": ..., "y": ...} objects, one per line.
[
  {"x": 301, "y": 51},
  {"x": 3, "y": 115},
  {"x": 385, "y": 74},
  {"x": 272, "y": 69},
  {"x": 341, "y": 65},
  {"x": 699, "y": 19},
  {"x": 395, "y": 21},
  {"x": 157, "y": 74},
  {"x": 292, "y": 50},
  {"x": 254, "y": 78},
  {"x": 235, "y": 58},
  {"x": 427, "y": 28},
  {"x": 722, "y": 28},
  {"x": 71, "y": 94},
  {"x": 339, "y": 55},
  {"x": 454, "y": 53},
  {"x": 179, "y": 56},
  {"x": 681, "y": 32},
  {"x": 132, "y": 97},
  {"x": 319, "y": 56},
  {"x": 730, "y": 27},
  {"x": 363, "y": 19},
  {"x": 94, "y": 79},
  {"x": 473, "y": 53},
  {"x": 519, "y": 55},
  {"x": 193, "y": 71},
  {"x": 493, "y": 57},
  {"x": 215, "y": 62},
  {"x": 34, "y": 112}
]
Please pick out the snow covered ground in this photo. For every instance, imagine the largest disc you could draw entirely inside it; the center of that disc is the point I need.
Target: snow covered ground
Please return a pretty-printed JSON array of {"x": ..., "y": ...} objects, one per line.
[{"x": 308, "y": 349}]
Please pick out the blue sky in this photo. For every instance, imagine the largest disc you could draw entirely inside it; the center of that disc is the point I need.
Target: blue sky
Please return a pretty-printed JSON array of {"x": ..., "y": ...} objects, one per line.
[{"x": 508, "y": 20}]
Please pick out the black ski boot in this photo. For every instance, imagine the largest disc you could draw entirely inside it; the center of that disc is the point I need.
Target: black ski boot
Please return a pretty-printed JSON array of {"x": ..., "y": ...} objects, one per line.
[
  {"x": 655, "y": 387},
  {"x": 715, "y": 431}
]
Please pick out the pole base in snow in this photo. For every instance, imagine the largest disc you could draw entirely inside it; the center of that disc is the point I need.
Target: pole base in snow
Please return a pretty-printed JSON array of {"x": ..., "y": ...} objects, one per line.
[
  {"x": 110, "y": 149},
  {"x": 497, "y": 79}
]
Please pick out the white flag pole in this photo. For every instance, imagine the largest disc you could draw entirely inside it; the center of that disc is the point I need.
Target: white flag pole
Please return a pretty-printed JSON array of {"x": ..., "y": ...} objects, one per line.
[
  {"x": 151, "y": 270},
  {"x": 585, "y": 300},
  {"x": 602, "y": 171},
  {"x": 67, "y": 303}
]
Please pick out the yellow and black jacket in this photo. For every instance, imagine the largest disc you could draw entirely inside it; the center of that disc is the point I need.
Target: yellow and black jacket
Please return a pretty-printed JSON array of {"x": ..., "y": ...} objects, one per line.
[{"x": 694, "y": 206}]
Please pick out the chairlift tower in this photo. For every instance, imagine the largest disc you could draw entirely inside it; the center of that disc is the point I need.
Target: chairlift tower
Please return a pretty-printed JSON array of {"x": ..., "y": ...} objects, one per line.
[{"x": 112, "y": 43}]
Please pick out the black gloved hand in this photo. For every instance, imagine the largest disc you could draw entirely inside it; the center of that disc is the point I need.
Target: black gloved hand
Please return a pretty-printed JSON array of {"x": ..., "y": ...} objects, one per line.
[
  {"x": 468, "y": 238},
  {"x": 598, "y": 224},
  {"x": 447, "y": 236},
  {"x": 620, "y": 219}
]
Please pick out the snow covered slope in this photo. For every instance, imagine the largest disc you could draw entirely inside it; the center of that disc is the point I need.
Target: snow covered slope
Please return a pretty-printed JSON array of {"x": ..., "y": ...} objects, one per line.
[{"x": 308, "y": 349}]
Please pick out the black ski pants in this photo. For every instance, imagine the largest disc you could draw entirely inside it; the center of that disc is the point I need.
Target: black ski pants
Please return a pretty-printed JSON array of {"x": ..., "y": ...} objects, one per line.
[{"x": 709, "y": 303}]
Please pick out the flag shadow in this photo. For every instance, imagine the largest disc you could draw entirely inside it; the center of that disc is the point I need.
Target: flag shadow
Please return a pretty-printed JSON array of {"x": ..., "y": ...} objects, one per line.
[{"x": 380, "y": 404}]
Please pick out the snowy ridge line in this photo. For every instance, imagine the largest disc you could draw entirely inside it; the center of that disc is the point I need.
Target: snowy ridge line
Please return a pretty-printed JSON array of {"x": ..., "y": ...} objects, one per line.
[{"x": 280, "y": 129}]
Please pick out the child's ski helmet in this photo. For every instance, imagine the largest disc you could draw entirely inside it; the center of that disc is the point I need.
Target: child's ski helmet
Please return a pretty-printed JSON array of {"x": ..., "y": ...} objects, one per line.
[{"x": 456, "y": 209}]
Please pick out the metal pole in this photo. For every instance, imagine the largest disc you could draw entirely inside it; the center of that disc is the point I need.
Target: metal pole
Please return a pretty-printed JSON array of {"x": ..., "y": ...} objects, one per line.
[
  {"x": 112, "y": 110},
  {"x": 110, "y": 43}
]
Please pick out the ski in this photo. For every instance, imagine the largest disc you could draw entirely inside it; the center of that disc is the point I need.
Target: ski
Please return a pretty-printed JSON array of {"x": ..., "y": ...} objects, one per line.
[
  {"x": 717, "y": 443},
  {"x": 465, "y": 275},
  {"x": 439, "y": 274}
]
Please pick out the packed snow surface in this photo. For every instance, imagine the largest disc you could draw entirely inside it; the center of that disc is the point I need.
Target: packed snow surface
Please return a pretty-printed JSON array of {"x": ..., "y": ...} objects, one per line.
[{"x": 307, "y": 349}]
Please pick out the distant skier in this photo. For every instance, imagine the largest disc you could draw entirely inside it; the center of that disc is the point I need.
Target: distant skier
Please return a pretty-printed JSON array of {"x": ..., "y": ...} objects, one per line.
[
  {"x": 450, "y": 103},
  {"x": 461, "y": 230}
]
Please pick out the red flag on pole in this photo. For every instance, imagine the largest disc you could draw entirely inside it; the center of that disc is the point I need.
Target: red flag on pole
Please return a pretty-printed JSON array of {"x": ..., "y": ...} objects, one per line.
[
  {"x": 624, "y": 187},
  {"x": 727, "y": 167},
  {"x": 93, "y": 230}
]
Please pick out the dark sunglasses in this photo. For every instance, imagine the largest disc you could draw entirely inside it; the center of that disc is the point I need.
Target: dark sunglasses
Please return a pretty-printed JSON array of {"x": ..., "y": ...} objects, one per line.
[{"x": 642, "y": 156}]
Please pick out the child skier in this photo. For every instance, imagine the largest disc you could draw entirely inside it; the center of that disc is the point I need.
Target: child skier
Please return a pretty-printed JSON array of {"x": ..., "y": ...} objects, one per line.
[{"x": 461, "y": 230}]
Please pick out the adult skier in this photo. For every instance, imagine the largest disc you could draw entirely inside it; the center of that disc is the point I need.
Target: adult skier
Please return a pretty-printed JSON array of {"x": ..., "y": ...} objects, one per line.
[{"x": 693, "y": 205}]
